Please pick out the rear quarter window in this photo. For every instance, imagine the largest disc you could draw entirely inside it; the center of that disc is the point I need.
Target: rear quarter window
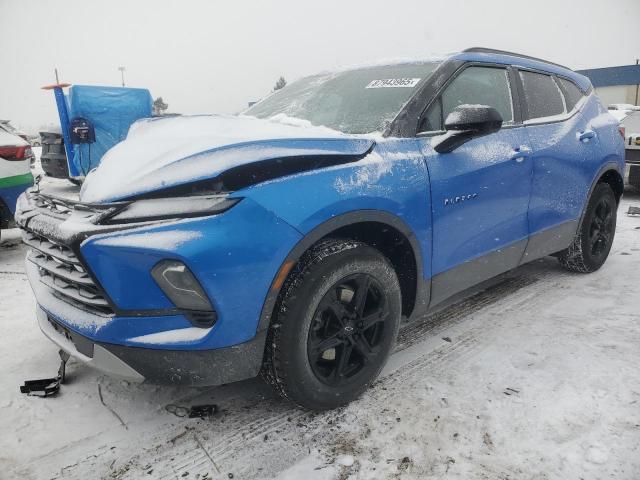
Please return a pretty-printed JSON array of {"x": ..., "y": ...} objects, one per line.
[
  {"x": 542, "y": 95},
  {"x": 572, "y": 93}
]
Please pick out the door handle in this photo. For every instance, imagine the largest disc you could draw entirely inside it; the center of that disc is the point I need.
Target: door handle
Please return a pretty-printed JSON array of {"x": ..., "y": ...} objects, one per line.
[
  {"x": 587, "y": 135},
  {"x": 520, "y": 153}
]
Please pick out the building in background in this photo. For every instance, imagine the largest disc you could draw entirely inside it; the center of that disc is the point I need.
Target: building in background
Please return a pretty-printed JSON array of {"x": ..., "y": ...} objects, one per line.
[{"x": 616, "y": 85}]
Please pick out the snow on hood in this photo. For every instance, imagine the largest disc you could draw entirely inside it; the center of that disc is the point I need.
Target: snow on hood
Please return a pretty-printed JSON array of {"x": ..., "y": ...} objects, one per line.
[{"x": 163, "y": 152}]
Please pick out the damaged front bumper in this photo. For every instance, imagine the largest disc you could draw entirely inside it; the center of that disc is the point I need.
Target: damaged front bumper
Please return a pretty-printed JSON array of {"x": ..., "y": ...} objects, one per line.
[
  {"x": 172, "y": 367},
  {"x": 84, "y": 349},
  {"x": 105, "y": 309}
]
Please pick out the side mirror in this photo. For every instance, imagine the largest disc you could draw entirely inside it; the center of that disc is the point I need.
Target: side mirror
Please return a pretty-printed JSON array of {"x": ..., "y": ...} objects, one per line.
[{"x": 467, "y": 122}]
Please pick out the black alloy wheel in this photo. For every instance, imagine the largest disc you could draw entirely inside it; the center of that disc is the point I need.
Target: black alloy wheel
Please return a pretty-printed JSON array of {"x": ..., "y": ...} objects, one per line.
[
  {"x": 602, "y": 227},
  {"x": 594, "y": 237},
  {"x": 347, "y": 329},
  {"x": 334, "y": 324}
]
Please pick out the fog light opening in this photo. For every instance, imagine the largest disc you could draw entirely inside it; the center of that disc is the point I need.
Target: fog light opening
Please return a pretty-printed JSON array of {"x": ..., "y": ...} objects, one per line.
[{"x": 181, "y": 287}]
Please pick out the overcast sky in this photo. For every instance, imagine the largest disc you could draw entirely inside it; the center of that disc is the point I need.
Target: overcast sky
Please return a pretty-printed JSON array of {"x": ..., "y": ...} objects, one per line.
[{"x": 215, "y": 56}]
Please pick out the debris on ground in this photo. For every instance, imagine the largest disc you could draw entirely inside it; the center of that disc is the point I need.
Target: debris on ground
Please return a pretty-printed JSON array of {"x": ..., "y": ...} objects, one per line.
[
  {"x": 47, "y": 387},
  {"x": 195, "y": 411}
]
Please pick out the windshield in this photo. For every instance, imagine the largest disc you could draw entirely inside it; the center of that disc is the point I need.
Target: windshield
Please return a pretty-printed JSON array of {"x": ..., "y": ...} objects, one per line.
[{"x": 355, "y": 101}]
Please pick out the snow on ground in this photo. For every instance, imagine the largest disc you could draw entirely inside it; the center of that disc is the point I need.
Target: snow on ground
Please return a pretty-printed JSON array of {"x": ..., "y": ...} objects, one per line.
[{"x": 535, "y": 378}]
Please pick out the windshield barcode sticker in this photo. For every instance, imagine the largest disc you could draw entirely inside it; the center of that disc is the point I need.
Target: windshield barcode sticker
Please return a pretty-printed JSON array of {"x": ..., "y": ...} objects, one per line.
[{"x": 394, "y": 83}]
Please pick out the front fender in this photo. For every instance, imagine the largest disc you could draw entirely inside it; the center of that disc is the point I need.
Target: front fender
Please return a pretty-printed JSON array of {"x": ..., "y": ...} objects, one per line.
[
  {"x": 389, "y": 186},
  {"x": 332, "y": 225},
  {"x": 392, "y": 178}
]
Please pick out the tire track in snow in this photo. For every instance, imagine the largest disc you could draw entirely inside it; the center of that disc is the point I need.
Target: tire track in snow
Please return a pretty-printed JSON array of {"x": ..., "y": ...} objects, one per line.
[
  {"x": 462, "y": 350},
  {"x": 415, "y": 331},
  {"x": 257, "y": 426},
  {"x": 240, "y": 447},
  {"x": 221, "y": 450},
  {"x": 235, "y": 442}
]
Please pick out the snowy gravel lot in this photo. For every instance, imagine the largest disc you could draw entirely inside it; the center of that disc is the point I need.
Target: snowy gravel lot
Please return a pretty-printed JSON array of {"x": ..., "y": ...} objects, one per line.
[{"x": 535, "y": 378}]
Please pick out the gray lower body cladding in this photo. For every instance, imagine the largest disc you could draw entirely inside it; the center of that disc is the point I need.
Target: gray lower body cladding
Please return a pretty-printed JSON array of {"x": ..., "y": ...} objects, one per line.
[
  {"x": 195, "y": 367},
  {"x": 166, "y": 367},
  {"x": 474, "y": 272}
]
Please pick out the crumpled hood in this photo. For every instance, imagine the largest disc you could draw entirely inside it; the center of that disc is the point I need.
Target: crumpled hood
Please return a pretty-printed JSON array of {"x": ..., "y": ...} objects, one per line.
[{"x": 162, "y": 152}]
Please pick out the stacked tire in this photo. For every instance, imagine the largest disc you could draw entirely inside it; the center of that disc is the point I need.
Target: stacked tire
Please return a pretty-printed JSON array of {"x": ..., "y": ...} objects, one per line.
[{"x": 53, "y": 158}]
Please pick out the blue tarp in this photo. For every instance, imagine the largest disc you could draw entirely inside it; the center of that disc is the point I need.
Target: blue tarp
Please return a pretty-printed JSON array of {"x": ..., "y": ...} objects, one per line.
[{"x": 111, "y": 110}]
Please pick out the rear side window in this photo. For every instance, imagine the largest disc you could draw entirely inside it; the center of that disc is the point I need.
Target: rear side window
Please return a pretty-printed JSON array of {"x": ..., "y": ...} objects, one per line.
[
  {"x": 572, "y": 93},
  {"x": 542, "y": 95},
  {"x": 473, "y": 86}
]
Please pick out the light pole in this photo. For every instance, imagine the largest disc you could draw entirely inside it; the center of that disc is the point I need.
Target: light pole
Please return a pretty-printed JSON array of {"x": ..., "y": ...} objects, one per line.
[
  {"x": 637, "y": 86},
  {"x": 122, "y": 69}
]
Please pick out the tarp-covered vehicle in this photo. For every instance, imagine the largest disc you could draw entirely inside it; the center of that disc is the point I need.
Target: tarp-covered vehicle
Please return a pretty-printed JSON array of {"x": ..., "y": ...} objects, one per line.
[
  {"x": 291, "y": 240},
  {"x": 93, "y": 119}
]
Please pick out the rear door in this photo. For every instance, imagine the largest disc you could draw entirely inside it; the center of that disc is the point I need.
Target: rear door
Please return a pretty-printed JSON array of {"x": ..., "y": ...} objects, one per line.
[
  {"x": 480, "y": 191},
  {"x": 565, "y": 147}
]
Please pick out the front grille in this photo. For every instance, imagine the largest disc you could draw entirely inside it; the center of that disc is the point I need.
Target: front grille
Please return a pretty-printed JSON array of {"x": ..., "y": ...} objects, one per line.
[
  {"x": 61, "y": 271},
  {"x": 58, "y": 207}
]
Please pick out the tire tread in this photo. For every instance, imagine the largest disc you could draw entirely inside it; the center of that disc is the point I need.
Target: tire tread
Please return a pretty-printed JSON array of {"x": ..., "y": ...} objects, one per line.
[
  {"x": 272, "y": 371},
  {"x": 574, "y": 258}
]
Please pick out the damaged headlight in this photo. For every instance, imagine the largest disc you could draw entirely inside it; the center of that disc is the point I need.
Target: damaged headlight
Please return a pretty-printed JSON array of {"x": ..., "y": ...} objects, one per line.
[{"x": 169, "y": 208}]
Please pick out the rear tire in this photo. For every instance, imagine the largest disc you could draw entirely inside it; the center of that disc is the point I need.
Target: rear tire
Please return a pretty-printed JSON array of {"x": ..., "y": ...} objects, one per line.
[
  {"x": 336, "y": 321},
  {"x": 592, "y": 243}
]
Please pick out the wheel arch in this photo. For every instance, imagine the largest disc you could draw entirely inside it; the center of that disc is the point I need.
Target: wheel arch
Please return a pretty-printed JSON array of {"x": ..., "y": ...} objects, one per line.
[
  {"x": 615, "y": 180},
  {"x": 381, "y": 230},
  {"x": 608, "y": 173}
]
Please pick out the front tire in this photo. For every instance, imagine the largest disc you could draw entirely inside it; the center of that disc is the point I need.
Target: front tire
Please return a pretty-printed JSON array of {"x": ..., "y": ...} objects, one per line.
[
  {"x": 592, "y": 243},
  {"x": 335, "y": 324}
]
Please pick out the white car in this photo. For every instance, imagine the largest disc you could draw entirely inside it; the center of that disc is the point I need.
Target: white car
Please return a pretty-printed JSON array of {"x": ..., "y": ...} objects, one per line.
[
  {"x": 5, "y": 126},
  {"x": 15, "y": 174},
  {"x": 630, "y": 122},
  {"x": 623, "y": 106}
]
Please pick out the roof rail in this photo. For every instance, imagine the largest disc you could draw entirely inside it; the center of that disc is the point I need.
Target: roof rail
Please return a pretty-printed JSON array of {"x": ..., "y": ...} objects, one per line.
[{"x": 504, "y": 52}]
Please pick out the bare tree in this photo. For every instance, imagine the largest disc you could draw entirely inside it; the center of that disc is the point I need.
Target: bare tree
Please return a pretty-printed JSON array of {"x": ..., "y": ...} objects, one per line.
[
  {"x": 159, "y": 107},
  {"x": 280, "y": 84}
]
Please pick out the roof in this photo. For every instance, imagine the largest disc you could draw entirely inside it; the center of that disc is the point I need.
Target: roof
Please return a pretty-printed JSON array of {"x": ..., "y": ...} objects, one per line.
[
  {"x": 525, "y": 61},
  {"x": 611, "y": 76},
  {"x": 512, "y": 54}
]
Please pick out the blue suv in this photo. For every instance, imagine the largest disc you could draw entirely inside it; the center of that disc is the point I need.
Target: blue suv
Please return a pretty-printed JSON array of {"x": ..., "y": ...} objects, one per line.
[{"x": 291, "y": 240}]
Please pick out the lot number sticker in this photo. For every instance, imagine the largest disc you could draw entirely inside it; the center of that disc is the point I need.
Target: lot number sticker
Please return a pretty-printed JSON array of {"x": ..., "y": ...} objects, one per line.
[{"x": 394, "y": 83}]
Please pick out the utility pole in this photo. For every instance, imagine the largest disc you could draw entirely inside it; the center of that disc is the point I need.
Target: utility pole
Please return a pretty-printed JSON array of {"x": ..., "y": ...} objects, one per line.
[
  {"x": 122, "y": 69},
  {"x": 637, "y": 86}
]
